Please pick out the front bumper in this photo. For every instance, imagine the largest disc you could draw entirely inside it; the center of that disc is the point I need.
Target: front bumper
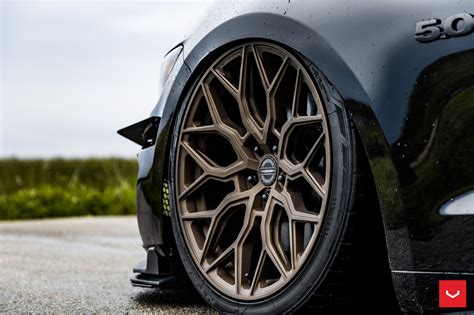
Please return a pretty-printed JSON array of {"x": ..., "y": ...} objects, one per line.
[
  {"x": 159, "y": 267},
  {"x": 153, "y": 205},
  {"x": 149, "y": 224},
  {"x": 155, "y": 271}
]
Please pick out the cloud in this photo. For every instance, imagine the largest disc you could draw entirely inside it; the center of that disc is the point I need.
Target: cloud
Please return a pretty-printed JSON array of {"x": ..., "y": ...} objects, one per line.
[
  {"x": 74, "y": 72},
  {"x": 170, "y": 18}
]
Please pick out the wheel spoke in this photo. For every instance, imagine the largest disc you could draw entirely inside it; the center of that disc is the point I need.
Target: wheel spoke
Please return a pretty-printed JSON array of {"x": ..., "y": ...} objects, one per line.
[
  {"x": 298, "y": 121},
  {"x": 228, "y": 132},
  {"x": 201, "y": 129},
  {"x": 205, "y": 178},
  {"x": 258, "y": 271},
  {"x": 211, "y": 169},
  {"x": 289, "y": 169},
  {"x": 316, "y": 146},
  {"x": 203, "y": 162},
  {"x": 215, "y": 228},
  {"x": 199, "y": 215},
  {"x": 270, "y": 86},
  {"x": 246, "y": 105},
  {"x": 307, "y": 217},
  {"x": 270, "y": 126},
  {"x": 229, "y": 87},
  {"x": 242, "y": 262},
  {"x": 261, "y": 71},
  {"x": 296, "y": 93},
  {"x": 318, "y": 187},
  {"x": 293, "y": 253},
  {"x": 295, "y": 216},
  {"x": 267, "y": 231},
  {"x": 238, "y": 266},
  {"x": 287, "y": 166},
  {"x": 279, "y": 75},
  {"x": 221, "y": 258},
  {"x": 199, "y": 182},
  {"x": 293, "y": 213},
  {"x": 279, "y": 264}
]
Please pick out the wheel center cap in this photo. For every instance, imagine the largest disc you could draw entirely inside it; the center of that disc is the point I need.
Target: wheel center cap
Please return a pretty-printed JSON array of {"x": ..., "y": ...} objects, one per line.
[{"x": 268, "y": 170}]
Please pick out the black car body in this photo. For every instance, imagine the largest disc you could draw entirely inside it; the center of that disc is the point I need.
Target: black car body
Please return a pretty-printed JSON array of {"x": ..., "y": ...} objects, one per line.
[{"x": 405, "y": 70}]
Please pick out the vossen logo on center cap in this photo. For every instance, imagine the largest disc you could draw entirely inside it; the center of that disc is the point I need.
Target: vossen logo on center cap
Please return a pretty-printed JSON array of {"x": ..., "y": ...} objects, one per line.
[{"x": 268, "y": 170}]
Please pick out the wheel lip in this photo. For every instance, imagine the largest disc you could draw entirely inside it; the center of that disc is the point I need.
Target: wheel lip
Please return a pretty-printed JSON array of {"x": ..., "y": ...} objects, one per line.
[{"x": 231, "y": 49}]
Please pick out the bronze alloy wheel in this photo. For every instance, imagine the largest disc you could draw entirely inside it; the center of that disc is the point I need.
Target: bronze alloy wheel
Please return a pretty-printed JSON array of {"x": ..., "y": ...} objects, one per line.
[{"x": 252, "y": 167}]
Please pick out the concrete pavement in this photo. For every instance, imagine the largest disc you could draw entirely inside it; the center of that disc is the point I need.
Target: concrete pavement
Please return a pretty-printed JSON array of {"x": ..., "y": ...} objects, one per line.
[{"x": 80, "y": 265}]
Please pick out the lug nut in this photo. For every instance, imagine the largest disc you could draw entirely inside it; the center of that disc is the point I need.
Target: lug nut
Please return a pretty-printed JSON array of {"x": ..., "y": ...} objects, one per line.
[
  {"x": 275, "y": 149},
  {"x": 281, "y": 178},
  {"x": 248, "y": 276},
  {"x": 265, "y": 196},
  {"x": 257, "y": 149},
  {"x": 252, "y": 179}
]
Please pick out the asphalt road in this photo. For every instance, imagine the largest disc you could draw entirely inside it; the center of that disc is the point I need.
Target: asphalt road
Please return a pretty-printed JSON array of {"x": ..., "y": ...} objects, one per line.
[{"x": 81, "y": 265}]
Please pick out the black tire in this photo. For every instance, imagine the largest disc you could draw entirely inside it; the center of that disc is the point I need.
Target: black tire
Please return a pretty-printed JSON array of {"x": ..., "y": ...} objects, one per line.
[{"x": 313, "y": 280}]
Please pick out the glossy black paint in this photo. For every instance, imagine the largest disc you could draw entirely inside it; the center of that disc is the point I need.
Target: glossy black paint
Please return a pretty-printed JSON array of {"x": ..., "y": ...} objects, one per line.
[
  {"x": 421, "y": 290},
  {"x": 435, "y": 155},
  {"x": 367, "y": 50},
  {"x": 143, "y": 132}
]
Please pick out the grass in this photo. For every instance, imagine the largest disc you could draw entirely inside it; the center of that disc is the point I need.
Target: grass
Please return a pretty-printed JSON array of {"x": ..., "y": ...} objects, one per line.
[{"x": 59, "y": 188}]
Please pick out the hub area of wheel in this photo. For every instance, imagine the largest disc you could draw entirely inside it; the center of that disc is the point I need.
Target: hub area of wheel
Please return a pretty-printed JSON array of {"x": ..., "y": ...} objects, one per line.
[{"x": 268, "y": 170}]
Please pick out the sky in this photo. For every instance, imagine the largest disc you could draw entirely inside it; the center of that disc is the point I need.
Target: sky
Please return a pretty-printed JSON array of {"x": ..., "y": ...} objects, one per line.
[{"x": 74, "y": 72}]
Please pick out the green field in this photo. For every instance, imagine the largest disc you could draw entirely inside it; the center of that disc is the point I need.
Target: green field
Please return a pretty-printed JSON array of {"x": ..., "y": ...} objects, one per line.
[{"x": 66, "y": 187}]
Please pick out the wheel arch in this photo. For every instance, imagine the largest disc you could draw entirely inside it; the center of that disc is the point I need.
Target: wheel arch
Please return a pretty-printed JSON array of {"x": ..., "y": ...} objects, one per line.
[{"x": 313, "y": 46}]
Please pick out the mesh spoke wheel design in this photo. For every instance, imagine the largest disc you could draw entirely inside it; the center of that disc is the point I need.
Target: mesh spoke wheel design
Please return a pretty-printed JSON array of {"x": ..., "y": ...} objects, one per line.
[{"x": 252, "y": 171}]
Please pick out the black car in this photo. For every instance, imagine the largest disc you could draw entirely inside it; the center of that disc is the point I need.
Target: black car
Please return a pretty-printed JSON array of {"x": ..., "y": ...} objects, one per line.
[{"x": 318, "y": 152}]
